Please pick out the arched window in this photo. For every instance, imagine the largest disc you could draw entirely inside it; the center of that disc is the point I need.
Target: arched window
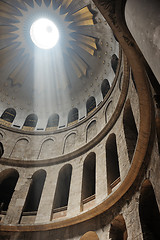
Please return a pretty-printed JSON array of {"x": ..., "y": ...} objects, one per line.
[
  {"x": 91, "y": 104},
  {"x": 112, "y": 163},
  {"x": 130, "y": 129},
  {"x": 73, "y": 115},
  {"x": 53, "y": 121},
  {"x": 35, "y": 191},
  {"x": 149, "y": 212},
  {"x": 114, "y": 62},
  {"x": 105, "y": 87},
  {"x": 63, "y": 187},
  {"x": 89, "y": 177},
  {"x": 8, "y": 181},
  {"x": 31, "y": 121},
  {"x": 118, "y": 229},
  {"x": 9, "y": 115}
]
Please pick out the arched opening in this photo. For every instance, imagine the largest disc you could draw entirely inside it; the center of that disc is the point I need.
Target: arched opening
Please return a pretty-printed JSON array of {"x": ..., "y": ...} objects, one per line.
[
  {"x": 20, "y": 149},
  {"x": 118, "y": 229},
  {"x": 91, "y": 104},
  {"x": 112, "y": 163},
  {"x": 130, "y": 129},
  {"x": 108, "y": 112},
  {"x": 1, "y": 149},
  {"x": 114, "y": 62},
  {"x": 62, "y": 189},
  {"x": 69, "y": 144},
  {"x": 89, "y": 178},
  {"x": 35, "y": 191},
  {"x": 149, "y": 212},
  {"x": 8, "y": 181},
  {"x": 73, "y": 116},
  {"x": 9, "y": 115},
  {"x": 47, "y": 150},
  {"x": 53, "y": 121},
  {"x": 91, "y": 130},
  {"x": 31, "y": 121},
  {"x": 105, "y": 87},
  {"x": 90, "y": 236}
]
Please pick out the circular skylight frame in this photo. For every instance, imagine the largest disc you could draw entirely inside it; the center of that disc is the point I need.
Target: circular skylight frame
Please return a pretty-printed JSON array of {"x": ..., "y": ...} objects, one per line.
[{"x": 44, "y": 33}]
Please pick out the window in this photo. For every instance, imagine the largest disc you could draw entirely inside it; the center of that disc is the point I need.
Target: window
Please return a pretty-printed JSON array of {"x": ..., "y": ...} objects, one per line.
[
  {"x": 7, "y": 187},
  {"x": 91, "y": 104},
  {"x": 114, "y": 62},
  {"x": 63, "y": 187},
  {"x": 130, "y": 129},
  {"x": 149, "y": 212},
  {"x": 31, "y": 121},
  {"x": 73, "y": 115},
  {"x": 89, "y": 176},
  {"x": 105, "y": 87},
  {"x": 112, "y": 163},
  {"x": 53, "y": 121},
  {"x": 9, "y": 115},
  {"x": 35, "y": 191}
]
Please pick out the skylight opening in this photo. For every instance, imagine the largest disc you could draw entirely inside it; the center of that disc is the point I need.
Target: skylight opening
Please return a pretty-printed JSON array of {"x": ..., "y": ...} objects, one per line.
[{"x": 44, "y": 33}]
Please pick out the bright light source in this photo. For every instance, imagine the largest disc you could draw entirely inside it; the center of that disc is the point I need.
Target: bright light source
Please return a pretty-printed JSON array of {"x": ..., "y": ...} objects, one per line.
[{"x": 44, "y": 33}]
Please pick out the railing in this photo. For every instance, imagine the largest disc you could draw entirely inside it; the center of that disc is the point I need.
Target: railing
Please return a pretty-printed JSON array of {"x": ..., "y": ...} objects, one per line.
[
  {"x": 90, "y": 198},
  {"x": 60, "y": 209},
  {"x": 115, "y": 182}
]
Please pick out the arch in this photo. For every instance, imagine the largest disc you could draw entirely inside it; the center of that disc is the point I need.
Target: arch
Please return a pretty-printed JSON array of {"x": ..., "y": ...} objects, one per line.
[
  {"x": 73, "y": 115},
  {"x": 9, "y": 115},
  {"x": 130, "y": 129},
  {"x": 118, "y": 229},
  {"x": 112, "y": 163},
  {"x": 35, "y": 191},
  {"x": 53, "y": 121},
  {"x": 1, "y": 150},
  {"x": 63, "y": 187},
  {"x": 91, "y": 130},
  {"x": 105, "y": 86},
  {"x": 149, "y": 212},
  {"x": 20, "y": 149},
  {"x": 69, "y": 143},
  {"x": 89, "y": 177},
  {"x": 8, "y": 181},
  {"x": 47, "y": 149},
  {"x": 114, "y": 62},
  {"x": 108, "y": 111},
  {"x": 91, "y": 104},
  {"x": 90, "y": 236},
  {"x": 31, "y": 121}
]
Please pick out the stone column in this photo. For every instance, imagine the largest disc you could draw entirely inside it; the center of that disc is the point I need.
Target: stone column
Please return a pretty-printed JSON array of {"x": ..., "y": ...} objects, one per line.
[
  {"x": 143, "y": 21},
  {"x": 101, "y": 173},
  {"x": 122, "y": 152},
  {"x": 17, "y": 202},
  {"x": 74, "y": 202},
  {"x": 46, "y": 203}
]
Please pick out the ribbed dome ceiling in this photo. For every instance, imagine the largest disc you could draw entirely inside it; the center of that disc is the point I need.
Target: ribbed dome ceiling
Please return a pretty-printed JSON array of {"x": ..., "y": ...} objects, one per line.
[{"x": 53, "y": 81}]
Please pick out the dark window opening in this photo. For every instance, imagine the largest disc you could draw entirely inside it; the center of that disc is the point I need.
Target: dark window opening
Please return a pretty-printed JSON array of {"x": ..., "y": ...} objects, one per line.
[
  {"x": 91, "y": 104},
  {"x": 9, "y": 115}
]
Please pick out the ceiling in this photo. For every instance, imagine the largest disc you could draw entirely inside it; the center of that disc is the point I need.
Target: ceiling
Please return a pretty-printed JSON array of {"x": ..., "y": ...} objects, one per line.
[{"x": 56, "y": 80}]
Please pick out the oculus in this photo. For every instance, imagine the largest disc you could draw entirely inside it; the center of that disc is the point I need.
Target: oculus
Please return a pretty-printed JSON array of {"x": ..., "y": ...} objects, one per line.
[{"x": 44, "y": 33}]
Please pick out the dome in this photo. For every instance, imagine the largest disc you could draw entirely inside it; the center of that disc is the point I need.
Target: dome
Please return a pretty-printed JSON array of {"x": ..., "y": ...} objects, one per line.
[
  {"x": 45, "y": 82},
  {"x": 80, "y": 120}
]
